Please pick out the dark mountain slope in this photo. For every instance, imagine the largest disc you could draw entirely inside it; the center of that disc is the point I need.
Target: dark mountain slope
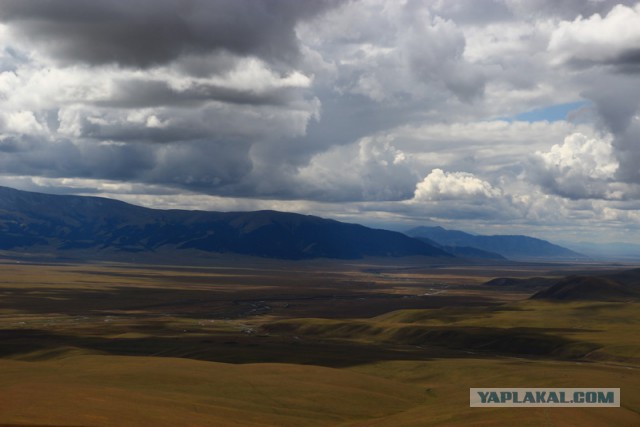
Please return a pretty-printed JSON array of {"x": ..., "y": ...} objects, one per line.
[
  {"x": 464, "y": 251},
  {"x": 629, "y": 278},
  {"x": 575, "y": 288},
  {"x": 509, "y": 246},
  {"x": 37, "y": 221},
  {"x": 529, "y": 283}
]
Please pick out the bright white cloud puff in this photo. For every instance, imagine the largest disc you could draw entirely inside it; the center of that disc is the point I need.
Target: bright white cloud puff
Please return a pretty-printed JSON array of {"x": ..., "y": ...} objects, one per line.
[
  {"x": 613, "y": 39},
  {"x": 440, "y": 185}
]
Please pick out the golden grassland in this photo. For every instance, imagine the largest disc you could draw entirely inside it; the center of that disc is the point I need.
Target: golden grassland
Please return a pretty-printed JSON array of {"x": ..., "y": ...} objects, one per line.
[{"x": 300, "y": 343}]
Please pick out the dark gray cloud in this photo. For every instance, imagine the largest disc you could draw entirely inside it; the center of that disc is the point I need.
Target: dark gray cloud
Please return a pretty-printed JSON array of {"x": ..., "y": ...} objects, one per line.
[
  {"x": 201, "y": 165},
  {"x": 474, "y": 12},
  {"x": 183, "y": 122},
  {"x": 144, "y": 33},
  {"x": 214, "y": 168},
  {"x": 143, "y": 93},
  {"x": 617, "y": 101},
  {"x": 563, "y": 9},
  {"x": 628, "y": 61},
  {"x": 62, "y": 158},
  {"x": 625, "y": 62},
  {"x": 628, "y": 152}
]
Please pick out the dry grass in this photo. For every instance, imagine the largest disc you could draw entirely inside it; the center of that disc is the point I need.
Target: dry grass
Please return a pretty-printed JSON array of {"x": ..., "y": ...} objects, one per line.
[
  {"x": 314, "y": 343},
  {"x": 138, "y": 391}
]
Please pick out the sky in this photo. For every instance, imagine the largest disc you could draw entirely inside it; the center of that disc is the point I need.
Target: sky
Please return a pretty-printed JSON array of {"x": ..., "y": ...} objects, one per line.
[{"x": 490, "y": 116}]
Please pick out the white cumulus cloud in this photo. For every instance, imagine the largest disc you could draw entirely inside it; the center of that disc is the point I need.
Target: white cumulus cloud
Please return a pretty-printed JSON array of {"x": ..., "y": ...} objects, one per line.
[
  {"x": 580, "y": 155},
  {"x": 441, "y": 185},
  {"x": 581, "y": 167},
  {"x": 612, "y": 39}
]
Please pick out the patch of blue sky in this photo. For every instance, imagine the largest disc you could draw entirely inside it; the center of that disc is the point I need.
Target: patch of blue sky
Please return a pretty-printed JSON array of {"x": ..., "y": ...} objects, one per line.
[{"x": 552, "y": 113}]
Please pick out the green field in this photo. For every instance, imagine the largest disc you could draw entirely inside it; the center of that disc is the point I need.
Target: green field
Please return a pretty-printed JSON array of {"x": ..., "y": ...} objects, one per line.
[{"x": 301, "y": 343}]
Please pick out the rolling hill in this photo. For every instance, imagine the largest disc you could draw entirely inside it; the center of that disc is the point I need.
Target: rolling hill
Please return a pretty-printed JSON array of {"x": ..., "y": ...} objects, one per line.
[
  {"x": 588, "y": 288},
  {"x": 617, "y": 286},
  {"x": 516, "y": 247},
  {"x": 58, "y": 223}
]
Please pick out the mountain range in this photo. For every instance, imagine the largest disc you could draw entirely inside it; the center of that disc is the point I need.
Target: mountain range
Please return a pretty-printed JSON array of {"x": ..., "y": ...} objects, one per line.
[
  {"x": 464, "y": 251},
  {"x": 514, "y": 247},
  {"x": 93, "y": 226},
  {"x": 58, "y": 223}
]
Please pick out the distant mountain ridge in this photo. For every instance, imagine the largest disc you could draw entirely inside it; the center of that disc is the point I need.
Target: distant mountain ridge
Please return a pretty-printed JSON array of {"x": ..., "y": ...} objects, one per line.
[
  {"x": 615, "y": 251},
  {"x": 464, "y": 251},
  {"x": 509, "y": 246},
  {"x": 44, "y": 222}
]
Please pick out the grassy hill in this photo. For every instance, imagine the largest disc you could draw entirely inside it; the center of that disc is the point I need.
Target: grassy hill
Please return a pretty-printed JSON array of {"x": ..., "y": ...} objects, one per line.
[
  {"x": 136, "y": 391},
  {"x": 576, "y": 288}
]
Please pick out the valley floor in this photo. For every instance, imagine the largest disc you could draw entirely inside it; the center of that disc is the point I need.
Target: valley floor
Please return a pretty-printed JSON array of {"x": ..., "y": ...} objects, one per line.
[{"x": 316, "y": 343}]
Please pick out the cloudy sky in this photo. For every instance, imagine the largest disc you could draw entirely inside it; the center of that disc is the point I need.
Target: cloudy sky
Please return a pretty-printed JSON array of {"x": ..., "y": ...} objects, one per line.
[{"x": 491, "y": 116}]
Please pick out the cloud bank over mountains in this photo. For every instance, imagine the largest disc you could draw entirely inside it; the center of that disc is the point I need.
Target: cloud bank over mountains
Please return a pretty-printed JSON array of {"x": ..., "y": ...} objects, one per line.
[{"x": 380, "y": 111}]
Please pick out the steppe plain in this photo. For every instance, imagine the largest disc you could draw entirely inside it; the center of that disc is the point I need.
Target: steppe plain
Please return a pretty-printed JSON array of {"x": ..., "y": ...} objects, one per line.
[{"x": 256, "y": 342}]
